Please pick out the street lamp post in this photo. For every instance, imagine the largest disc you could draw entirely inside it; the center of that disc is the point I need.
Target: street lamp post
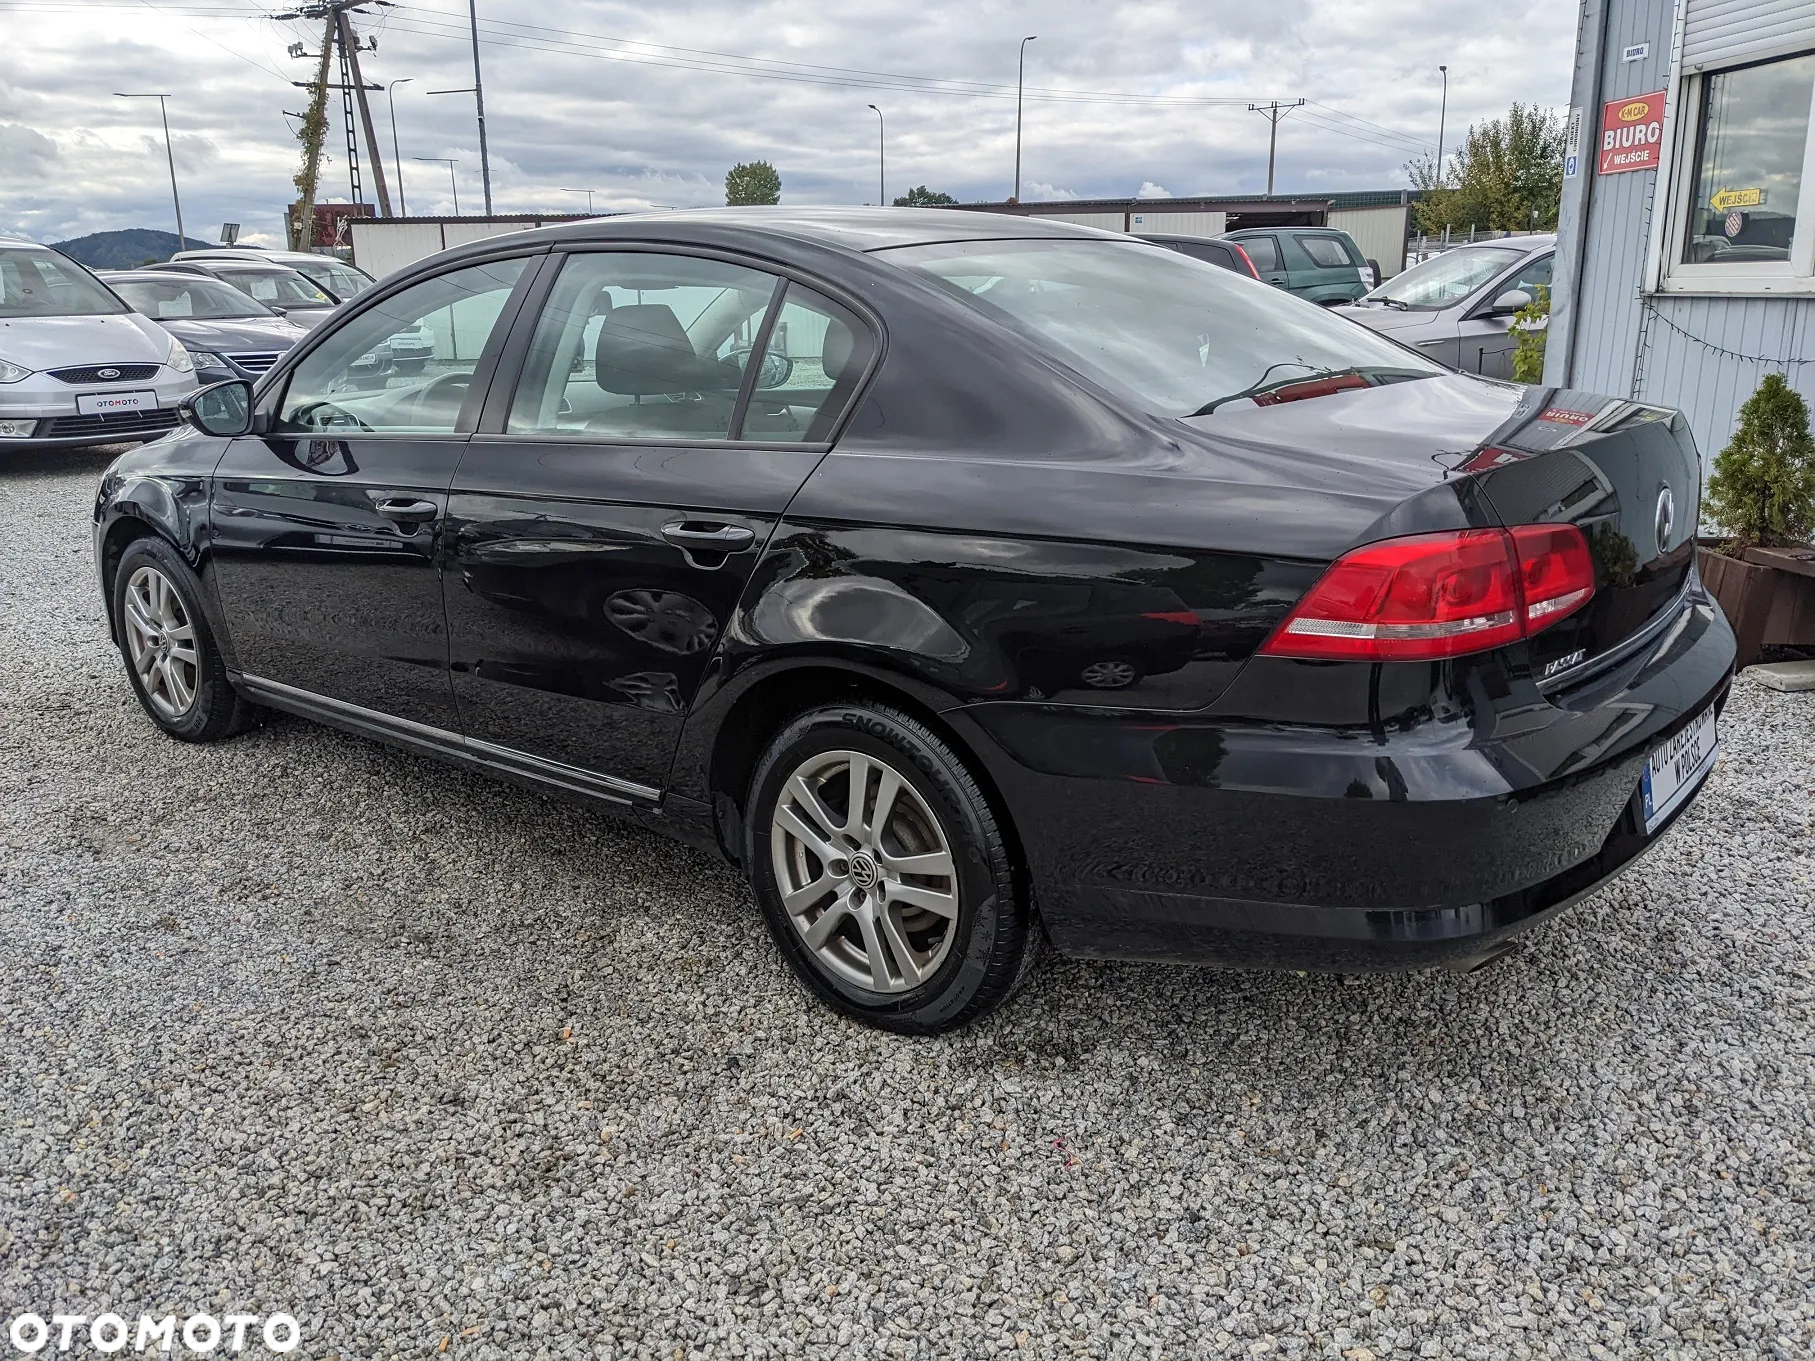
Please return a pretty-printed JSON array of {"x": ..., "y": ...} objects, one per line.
[
  {"x": 169, "y": 155},
  {"x": 882, "y": 178},
  {"x": 450, "y": 162},
  {"x": 1020, "y": 80},
  {"x": 1442, "y": 116},
  {"x": 588, "y": 192},
  {"x": 390, "y": 93}
]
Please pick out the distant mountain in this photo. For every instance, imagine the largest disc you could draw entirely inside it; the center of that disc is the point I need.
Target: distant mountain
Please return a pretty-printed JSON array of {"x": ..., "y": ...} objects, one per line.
[{"x": 124, "y": 250}]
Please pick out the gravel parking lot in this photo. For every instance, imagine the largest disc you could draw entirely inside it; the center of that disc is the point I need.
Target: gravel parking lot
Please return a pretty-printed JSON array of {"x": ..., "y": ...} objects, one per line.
[{"x": 441, "y": 1066}]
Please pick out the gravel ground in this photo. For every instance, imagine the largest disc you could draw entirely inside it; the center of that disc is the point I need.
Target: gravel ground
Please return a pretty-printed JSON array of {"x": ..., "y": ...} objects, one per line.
[{"x": 441, "y": 1066}]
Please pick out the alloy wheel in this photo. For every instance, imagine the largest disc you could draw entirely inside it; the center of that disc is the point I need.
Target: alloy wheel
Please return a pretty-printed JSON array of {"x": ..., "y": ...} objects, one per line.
[
  {"x": 161, "y": 639},
  {"x": 865, "y": 871}
]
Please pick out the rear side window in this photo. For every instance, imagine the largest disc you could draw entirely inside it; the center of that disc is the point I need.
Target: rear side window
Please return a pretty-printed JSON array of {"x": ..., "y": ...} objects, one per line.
[
  {"x": 1262, "y": 250},
  {"x": 636, "y": 345},
  {"x": 1209, "y": 252},
  {"x": 1326, "y": 252},
  {"x": 816, "y": 355}
]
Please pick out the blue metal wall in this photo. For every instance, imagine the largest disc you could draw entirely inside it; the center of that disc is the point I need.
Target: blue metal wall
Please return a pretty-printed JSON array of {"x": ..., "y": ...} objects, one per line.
[{"x": 1704, "y": 355}]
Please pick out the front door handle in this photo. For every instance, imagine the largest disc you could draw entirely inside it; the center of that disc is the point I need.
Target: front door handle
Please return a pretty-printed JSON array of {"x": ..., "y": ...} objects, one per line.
[
  {"x": 712, "y": 535},
  {"x": 407, "y": 510}
]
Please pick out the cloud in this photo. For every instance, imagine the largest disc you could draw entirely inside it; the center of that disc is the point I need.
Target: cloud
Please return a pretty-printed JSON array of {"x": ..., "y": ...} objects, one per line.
[
  {"x": 588, "y": 100},
  {"x": 1149, "y": 189}
]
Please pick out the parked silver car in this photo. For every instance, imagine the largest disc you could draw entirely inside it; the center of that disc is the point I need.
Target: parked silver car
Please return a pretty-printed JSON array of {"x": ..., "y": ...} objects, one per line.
[{"x": 1458, "y": 307}]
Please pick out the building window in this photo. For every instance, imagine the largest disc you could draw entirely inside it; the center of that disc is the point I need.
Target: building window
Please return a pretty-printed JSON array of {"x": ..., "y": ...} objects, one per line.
[{"x": 1747, "y": 177}]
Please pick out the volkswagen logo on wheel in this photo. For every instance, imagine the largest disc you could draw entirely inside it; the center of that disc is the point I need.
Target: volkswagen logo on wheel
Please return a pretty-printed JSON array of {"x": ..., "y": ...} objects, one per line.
[
  {"x": 1666, "y": 518},
  {"x": 107, "y": 373}
]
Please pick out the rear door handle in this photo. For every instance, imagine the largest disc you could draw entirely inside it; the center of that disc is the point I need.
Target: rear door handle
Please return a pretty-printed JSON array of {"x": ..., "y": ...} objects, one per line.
[
  {"x": 406, "y": 510},
  {"x": 712, "y": 535}
]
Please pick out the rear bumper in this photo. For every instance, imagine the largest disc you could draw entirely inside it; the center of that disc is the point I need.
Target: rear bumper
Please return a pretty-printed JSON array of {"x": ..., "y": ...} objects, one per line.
[{"x": 1212, "y": 840}]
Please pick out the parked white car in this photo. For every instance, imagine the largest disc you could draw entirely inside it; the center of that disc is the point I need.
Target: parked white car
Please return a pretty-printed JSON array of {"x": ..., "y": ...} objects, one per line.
[{"x": 77, "y": 365}]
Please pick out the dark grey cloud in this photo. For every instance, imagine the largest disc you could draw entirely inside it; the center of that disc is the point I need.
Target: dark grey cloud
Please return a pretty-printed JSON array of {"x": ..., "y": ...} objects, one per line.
[{"x": 600, "y": 94}]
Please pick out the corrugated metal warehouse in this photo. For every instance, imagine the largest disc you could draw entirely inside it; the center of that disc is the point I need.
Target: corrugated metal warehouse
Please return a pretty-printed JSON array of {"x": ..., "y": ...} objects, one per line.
[{"x": 1686, "y": 255}]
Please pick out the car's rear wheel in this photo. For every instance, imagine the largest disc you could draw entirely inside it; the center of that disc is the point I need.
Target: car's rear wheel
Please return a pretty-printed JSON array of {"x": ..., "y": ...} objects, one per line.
[
  {"x": 171, "y": 658},
  {"x": 882, "y": 872}
]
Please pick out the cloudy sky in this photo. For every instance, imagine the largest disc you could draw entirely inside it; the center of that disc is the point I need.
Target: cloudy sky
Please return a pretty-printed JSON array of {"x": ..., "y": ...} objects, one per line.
[{"x": 650, "y": 104}]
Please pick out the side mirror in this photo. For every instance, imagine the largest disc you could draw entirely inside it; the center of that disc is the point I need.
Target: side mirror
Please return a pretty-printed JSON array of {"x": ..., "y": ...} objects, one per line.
[
  {"x": 221, "y": 409},
  {"x": 281, "y": 311},
  {"x": 1512, "y": 300},
  {"x": 777, "y": 369}
]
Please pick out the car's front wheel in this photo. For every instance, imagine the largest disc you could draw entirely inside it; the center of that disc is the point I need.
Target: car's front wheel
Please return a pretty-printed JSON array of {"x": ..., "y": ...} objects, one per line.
[
  {"x": 171, "y": 658},
  {"x": 884, "y": 876}
]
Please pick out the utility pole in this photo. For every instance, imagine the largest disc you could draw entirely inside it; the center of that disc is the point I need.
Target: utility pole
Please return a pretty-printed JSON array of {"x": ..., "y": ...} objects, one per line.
[
  {"x": 485, "y": 161},
  {"x": 882, "y": 165},
  {"x": 390, "y": 94},
  {"x": 1274, "y": 111},
  {"x": 182, "y": 242},
  {"x": 1020, "y": 80},
  {"x": 349, "y": 44},
  {"x": 1442, "y": 115},
  {"x": 337, "y": 31}
]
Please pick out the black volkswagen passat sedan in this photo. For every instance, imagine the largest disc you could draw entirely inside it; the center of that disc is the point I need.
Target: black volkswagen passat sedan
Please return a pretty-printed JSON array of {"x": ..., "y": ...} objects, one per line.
[{"x": 969, "y": 581}]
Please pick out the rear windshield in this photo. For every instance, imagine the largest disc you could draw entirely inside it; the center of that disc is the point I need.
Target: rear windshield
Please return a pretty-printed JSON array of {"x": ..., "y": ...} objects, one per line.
[
  {"x": 185, "y": 295},
  {"x": 41, "y": 283},
  {"x": 1444, "y": 280},
  {"x": 277, "y": 287},
  {"x": 343, "y": 281},
  {"x": 1174, "y": 333}
]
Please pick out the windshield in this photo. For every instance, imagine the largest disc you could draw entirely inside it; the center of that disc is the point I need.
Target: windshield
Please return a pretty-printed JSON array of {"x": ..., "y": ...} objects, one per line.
[
  {"x": 187, "y": 296},
  {"x": 41, "y": 283},
  {"x": 1446, "y": 279},
  {"x": 343, "y": 281},
  {"x": 1173, "y": 332},
  {"x": 277, "y": 287}
]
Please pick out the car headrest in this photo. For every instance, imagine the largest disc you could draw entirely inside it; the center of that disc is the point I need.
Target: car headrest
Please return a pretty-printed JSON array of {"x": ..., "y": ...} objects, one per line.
[
  {"x": 643, "y": 350},
  {"x": 838, "y": 347}
]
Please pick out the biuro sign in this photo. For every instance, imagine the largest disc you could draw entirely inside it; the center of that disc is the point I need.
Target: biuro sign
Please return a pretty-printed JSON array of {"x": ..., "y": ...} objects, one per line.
[{"x": 1632, "y": 134}]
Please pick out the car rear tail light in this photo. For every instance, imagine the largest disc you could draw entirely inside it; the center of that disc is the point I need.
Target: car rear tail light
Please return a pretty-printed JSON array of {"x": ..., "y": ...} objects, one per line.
[
  {"x": 1431, "y": 596},
  {"x": 1246, "y": 259}
]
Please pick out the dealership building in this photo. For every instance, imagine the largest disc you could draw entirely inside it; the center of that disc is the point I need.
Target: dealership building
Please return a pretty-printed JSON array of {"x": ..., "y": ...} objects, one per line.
[{"x": 1686, "y": 255}]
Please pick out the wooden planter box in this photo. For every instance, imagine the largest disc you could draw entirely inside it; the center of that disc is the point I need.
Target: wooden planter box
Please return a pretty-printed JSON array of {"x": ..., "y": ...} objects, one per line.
[{"x": 1769, "y": 597}]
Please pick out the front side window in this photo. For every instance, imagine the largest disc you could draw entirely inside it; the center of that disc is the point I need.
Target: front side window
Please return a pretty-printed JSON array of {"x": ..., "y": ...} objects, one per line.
[
  {"x": 1748, "y": 170},
  {"x": 636, "y": 345},
  {"x": 186, "y": 295},
  {"x": 1178, "y": 336},
  {"x": 403, "y": 366},
  {"x": 1326, "y": 252},
  {"x": 41, "y": 283},
  {"x": 1444, "y": 280},
  {"x": 278, "y": 287}
]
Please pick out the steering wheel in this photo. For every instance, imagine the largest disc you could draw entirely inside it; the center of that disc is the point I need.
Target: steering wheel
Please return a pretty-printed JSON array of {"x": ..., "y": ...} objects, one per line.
[
  {"x": 437, "y": 392},
  {"x": 340, "y": 419}
]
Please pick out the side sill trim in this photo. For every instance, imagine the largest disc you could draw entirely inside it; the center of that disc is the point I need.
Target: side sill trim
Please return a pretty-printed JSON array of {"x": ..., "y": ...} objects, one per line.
[{"x": 441, "y": 742}]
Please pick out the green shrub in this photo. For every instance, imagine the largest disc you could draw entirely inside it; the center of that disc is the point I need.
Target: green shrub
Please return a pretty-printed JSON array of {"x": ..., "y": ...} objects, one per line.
[
  {"x": 1763, "y": 489},
  {"x": 1528, "y": 338}
]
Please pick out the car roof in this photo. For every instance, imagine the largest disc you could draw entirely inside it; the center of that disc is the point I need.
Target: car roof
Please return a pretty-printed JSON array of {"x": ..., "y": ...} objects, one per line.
[
  {"x": 860, "y": 229},
  {"x": 1529, "y": 244},
  {"x": 148, "y": 274},
  {"x": 1181, "y": 239}
]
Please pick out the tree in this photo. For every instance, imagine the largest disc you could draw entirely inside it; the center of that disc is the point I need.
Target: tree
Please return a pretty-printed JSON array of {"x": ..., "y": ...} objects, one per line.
[
  {"x": 750, "y": 182},
  {"x": 1763, "y": 488},
  {"x": 1506, "y": 176},
  {"x": 922, "y": 197}
]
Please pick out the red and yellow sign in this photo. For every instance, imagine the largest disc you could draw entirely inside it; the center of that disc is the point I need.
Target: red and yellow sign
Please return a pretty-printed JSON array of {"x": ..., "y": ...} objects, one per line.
[{"x": 1632, "y": 134}]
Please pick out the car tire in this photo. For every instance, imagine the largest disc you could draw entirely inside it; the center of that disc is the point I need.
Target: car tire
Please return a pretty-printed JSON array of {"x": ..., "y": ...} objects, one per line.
[
  {"x": 172, "y": 662},
  {"x": 912, "y": 952}
]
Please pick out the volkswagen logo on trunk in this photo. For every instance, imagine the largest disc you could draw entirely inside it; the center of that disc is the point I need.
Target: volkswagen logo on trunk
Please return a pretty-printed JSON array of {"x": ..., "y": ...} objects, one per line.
[
  {"x": 107, "y": 373},
  {"x": 1666, "y": 519}
]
